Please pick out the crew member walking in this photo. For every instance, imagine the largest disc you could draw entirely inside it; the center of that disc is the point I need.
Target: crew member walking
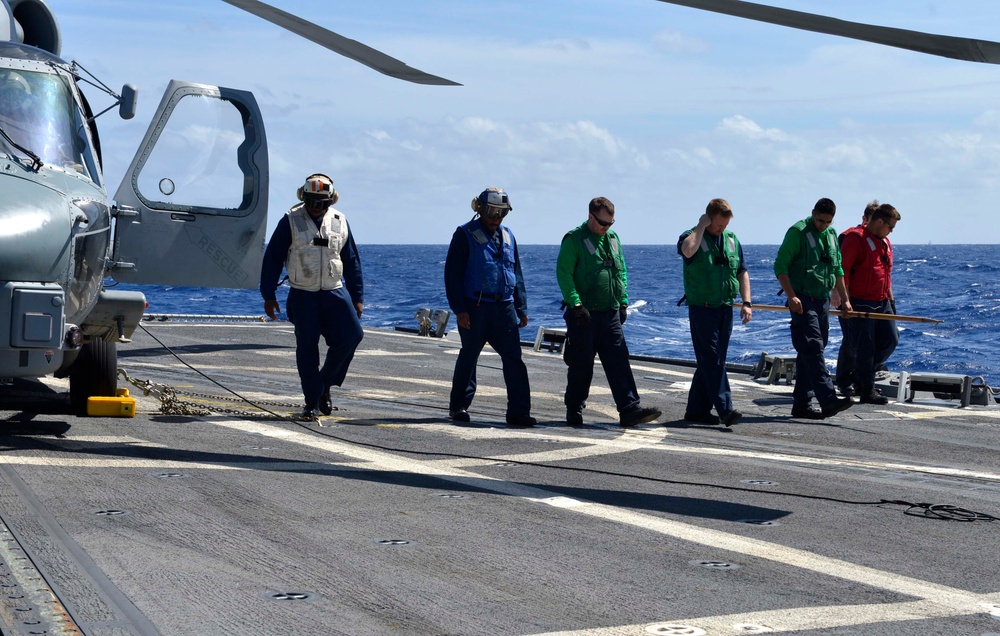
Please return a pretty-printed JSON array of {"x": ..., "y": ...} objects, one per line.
[
  {"x": 592, "y": 277},
  {"x": 714, "y": 273},
  {"x": 868, "y": 277},
  {"x": 485, "y": 289},
  {"x": 315, "y": 246},
  {"x": 844, "y": 378},
  {"x": 808, "y": 268}
]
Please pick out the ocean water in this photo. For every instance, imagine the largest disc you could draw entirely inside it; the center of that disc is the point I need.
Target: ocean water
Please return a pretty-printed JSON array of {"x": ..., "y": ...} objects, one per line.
[{"x": 958, "y": 284}]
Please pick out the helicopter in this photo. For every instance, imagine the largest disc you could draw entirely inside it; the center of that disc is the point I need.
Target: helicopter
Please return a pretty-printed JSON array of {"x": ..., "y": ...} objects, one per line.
[
  {"x": 201, "y": 224},
  {"x": 61, "y": 235}
]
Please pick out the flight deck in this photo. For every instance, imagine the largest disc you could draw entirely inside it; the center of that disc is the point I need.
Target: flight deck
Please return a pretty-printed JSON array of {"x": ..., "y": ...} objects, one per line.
[{"x": 222, "y": 515}]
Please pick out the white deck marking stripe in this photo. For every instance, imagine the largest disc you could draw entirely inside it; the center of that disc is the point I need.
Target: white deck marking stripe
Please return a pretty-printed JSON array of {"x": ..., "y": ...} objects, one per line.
[
  {"x": 804, "y": 618},
  {"x": 695, "y": 534},
  {"x": 630, "y": 440},
  {"x": 661, "y": 370},
  {"x": 203, "y": 366},
  {"x": 942, "y": 600},
  {"x": 622, "y": 444},
  {"x": 616, "y": 437},
  {"x": 162, "y": 464},
  {"x": 559, "y": 455},
  {"x": 933, "y": 411},
  {"x": 481, "y": 388},
  {"x": 937, "y": 600},
  {"x": 393, "y": 354},
  {"x": 857, "y": 463}
]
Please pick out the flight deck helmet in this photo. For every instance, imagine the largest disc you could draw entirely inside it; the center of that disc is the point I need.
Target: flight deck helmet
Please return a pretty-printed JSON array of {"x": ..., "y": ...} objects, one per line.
[
  {"x": 492, "y": 202},
  {"x": 318, "y": 188}
]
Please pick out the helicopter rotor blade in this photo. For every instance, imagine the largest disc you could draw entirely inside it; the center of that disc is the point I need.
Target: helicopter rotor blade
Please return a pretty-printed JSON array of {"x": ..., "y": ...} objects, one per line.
[
  {"x": 967, "y": 49},
  {"x": 372, "y": 58}
]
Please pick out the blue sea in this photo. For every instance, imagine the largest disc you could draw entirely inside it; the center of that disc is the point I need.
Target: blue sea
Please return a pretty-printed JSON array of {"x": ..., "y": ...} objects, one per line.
[{"x": 958, "y": 284}]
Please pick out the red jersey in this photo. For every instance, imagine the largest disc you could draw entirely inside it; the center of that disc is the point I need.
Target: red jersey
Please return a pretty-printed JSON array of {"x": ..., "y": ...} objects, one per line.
[{"x": 867, "y": 262}]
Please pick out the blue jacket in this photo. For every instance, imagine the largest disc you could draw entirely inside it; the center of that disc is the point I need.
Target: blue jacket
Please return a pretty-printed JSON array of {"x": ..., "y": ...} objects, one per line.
[{"x": 477, "y": 270}]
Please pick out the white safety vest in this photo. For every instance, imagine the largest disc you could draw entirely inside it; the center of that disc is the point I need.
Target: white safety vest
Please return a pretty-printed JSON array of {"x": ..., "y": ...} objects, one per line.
[{"x": 312, "y": 267}]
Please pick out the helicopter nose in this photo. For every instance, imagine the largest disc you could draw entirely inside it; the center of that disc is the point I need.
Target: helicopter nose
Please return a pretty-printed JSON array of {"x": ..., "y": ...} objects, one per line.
[{"x": 35, "y": 233}]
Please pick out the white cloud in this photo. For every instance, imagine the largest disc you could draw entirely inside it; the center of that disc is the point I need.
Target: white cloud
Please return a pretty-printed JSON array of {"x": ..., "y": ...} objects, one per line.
[
  {"x": 658, "y": 107},
  {"x": 962, "y": 142},
  {"x": 746, "y": 127},
  {"x": 555, "y": 49},
  {"x": 846, "y": 156},
  {"x": 989, "y": 119},
  {"x": 476, "y": 126},
  {"x": 676, "y": 42}
]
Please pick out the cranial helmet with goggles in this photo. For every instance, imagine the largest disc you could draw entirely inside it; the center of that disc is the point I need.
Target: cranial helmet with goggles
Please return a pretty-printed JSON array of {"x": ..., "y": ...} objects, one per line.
[
  {"x": 318, "y": 188},
  {"x": 492, "y": 202}
]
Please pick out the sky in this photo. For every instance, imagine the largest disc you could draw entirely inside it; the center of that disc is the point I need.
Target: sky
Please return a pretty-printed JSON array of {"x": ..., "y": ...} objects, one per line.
[{"x": 658, "y": 107}]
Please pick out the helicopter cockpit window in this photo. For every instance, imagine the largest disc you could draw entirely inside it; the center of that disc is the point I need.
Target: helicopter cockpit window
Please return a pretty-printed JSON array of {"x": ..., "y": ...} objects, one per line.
[
  {"x": 39, "y": 112},
  {"x": 195, "y": 161}
]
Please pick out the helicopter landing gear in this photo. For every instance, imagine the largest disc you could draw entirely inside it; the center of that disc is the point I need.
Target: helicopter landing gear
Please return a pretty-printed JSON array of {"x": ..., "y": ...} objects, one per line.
[{"x": 95, "y": 373}]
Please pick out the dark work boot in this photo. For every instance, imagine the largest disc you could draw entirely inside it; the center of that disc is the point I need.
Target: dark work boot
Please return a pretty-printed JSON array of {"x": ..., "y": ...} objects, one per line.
[
  {"x": 639, "y": 415},
  {"x": 731, "y": 417},
  {"x": 521, "y": 421},
  {"x": 874, "y": 397},
  {"x": 836, "y": 406},
  {"x": 325, "y": 403},
  {"x": 806, "y": 412}
]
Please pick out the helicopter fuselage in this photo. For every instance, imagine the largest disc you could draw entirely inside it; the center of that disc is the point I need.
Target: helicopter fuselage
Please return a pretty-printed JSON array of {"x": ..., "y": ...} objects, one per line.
[
  {"x": 192, "y": 214},
  {"x": 55, "y": 218}
]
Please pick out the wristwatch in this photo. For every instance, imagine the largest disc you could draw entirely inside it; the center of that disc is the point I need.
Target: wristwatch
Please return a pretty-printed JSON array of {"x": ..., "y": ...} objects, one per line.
[{"x": 748, "y": 304}]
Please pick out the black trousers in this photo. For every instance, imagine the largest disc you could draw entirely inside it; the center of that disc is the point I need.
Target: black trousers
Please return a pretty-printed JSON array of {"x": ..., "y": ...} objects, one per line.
[
  {"x": 810, "y": 333},
  {"x": 602, "y": 337},
  {"x": 711, "y": 328}
]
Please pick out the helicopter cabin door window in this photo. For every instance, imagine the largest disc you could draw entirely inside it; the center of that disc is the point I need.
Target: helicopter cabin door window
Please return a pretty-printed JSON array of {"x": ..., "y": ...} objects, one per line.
[
  {"x": 194, "y": 162},
  {"x": 192, "y": 208}
]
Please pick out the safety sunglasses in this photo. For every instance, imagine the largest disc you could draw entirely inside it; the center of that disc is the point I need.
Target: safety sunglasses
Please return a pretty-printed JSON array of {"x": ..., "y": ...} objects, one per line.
[
  {"x": 603, "y": 223},
  {"x": 494, "y": 211}
]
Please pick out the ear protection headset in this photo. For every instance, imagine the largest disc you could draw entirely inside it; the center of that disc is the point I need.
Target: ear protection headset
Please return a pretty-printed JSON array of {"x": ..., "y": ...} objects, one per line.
[
  {"x": 318, "y": 186},
  {"x": 491, "y": 197}
]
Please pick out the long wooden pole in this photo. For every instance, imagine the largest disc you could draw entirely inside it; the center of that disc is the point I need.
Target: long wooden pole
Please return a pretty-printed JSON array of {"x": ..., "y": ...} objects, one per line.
[{"x": 857, "y": 314}]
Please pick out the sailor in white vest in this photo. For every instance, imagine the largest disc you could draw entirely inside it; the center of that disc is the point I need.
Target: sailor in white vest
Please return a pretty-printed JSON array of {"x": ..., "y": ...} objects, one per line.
[{"x": 314, "y": 245}]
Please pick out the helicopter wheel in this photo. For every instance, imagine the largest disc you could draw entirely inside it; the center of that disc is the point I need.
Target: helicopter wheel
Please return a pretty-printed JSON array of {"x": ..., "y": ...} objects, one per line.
[{"x": 95, "y": 373}]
